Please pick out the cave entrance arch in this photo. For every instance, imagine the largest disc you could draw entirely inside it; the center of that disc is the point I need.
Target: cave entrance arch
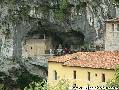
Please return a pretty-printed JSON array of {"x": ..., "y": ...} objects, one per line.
[
  {"x": 57, "y": 36},
  {"x": 40, "y": 42},
  {"x": 72, "y": 40}
]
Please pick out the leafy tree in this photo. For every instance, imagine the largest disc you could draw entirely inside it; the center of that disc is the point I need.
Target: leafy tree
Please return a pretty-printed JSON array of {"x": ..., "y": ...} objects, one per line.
[
  {"x": 1, "y": 87},
  {"x": 115, "y": 81},
  {"x": 61, "y": 85}
]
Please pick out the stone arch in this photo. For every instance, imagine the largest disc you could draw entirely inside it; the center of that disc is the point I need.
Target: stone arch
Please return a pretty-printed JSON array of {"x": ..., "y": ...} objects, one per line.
[
  {"x": 60, "y": 36},
  {"x": 55, "y": 39}
]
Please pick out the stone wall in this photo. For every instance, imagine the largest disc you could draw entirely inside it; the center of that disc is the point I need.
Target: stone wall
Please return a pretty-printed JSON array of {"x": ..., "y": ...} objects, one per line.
[{"x": 111, "y": 37}]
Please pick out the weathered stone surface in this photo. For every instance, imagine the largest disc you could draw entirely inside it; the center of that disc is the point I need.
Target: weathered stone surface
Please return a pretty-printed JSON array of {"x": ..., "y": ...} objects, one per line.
[{"x": 112, "y": 36}]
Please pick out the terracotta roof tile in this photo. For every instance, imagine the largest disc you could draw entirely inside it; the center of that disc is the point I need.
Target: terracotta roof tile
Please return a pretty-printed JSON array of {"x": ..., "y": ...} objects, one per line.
[
  {"x": 60, "y": 59},
  {"x": 99, "y": 59}
]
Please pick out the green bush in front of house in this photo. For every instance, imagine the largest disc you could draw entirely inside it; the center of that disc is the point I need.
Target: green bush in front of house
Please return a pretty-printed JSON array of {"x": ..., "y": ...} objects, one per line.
[
  {"x": 1, "y": 87},
  {"x": 115, "y": 81},
  {"x": 61, "y": 85}
]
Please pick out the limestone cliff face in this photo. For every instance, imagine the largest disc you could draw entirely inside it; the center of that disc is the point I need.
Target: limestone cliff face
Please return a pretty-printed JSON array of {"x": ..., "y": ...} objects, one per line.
[
  {"x": 88, "y": 16},
  {"x": 97, "y": 11}
]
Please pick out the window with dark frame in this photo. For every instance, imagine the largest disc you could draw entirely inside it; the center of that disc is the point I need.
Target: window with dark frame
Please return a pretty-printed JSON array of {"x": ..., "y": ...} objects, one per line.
[
  {"x": 88, "y": 76},
  {"x": 55, "y": 75},
  {"x": 103, "y": 77},
  {"x": 74, "y": 74},
  {"x": 112, "y": 27},
  {"x": 117, "y": 27}
]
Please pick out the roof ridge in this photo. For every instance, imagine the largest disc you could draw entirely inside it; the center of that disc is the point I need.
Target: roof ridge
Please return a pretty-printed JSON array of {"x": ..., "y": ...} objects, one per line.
[{"x": 99, "y": 59}]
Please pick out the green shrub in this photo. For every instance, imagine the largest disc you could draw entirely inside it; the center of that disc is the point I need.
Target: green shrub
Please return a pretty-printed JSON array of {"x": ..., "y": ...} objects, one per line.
[
  {"x": 115, "y": 81},
  {"x": 61, "y": 85},
  {"x": 1, "y": 87}
]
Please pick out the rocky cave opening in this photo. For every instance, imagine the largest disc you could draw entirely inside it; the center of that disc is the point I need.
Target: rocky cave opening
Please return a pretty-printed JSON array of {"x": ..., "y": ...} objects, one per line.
[{"x": 40, "y": 42}]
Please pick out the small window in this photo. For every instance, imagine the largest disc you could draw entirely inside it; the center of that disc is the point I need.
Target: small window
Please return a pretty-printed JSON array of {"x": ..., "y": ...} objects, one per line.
[
  {"x": 103, "y": 77},
  {"x": 31, "y": 47},
  {"x": 96, "y": 74},
  {"x": 88, "y": 76},
  {"x": 117, "y": 27},
  {"x": 55, "y": 75},
  {"x": 112, "y": 27},
  {"x": 74, "y": 74},
  {"x": 42, "y": 36}
]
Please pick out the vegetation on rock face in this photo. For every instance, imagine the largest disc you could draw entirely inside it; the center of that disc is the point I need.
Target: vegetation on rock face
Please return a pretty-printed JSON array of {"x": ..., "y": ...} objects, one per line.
[
  {"x": 1, "y": 87},
  {"x": 20, "y": 9},
  {"x": 23, "y": 81},
  {"x": 117, "y": 1},
  {"x": 62, "y": 9},
  {"x": 26, "y": 78}
]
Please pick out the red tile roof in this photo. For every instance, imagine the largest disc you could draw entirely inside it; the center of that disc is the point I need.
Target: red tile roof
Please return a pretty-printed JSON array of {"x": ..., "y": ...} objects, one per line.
[
  {"x": 61, "y": 59},
  {"x": 99, "y": 59}
]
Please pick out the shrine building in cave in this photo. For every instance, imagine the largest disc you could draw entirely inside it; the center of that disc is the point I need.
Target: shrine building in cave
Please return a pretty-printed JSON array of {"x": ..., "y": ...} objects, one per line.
[{"x": 41, "y": 43}]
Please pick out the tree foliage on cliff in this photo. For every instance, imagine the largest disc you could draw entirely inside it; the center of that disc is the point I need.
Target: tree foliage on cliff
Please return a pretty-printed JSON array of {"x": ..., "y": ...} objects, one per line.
[{"x": 117, "y": 1}]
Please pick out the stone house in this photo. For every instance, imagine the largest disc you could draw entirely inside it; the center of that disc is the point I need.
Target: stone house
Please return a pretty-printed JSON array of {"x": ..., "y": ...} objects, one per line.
[
  {"x": 112, "y": 34},
  {"x": 40, "y": 44},
  {"x": 37, "y": 46}
]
